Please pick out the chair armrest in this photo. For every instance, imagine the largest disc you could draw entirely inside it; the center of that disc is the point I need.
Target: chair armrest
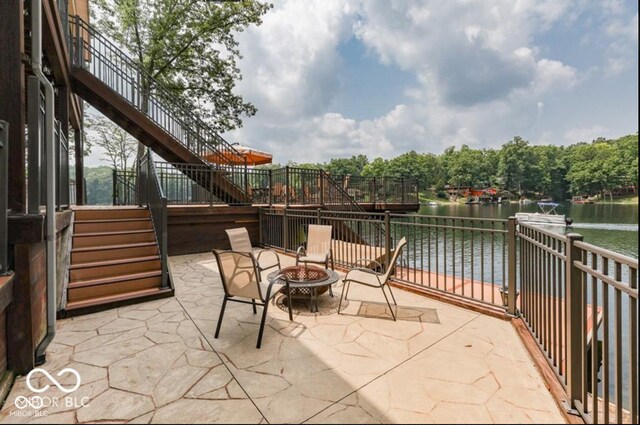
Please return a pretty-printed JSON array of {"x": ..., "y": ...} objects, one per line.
[
  {"x": 301, "y": 251},
  {"x": 272, "y": 252},
  {"x": 280, "y": 276},
  {"x": 370, "y": 260},
  {"x": 364, "y": 270}
]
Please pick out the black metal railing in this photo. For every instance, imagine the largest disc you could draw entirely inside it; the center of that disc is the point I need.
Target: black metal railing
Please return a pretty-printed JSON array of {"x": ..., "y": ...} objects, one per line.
[
  {"x": 194, "y": 184},
  {"x": 580, "y": 303},
  {"x": 4, "y": 188},
  {"x": 461, "y": 256},
  {"x": 391, "y": 190},
  {"x": 62, "y": 167},
  {"x": 125, "y": 187},
  {"x": 151, "y": 194},
  {"x": 111, "y": 65}
]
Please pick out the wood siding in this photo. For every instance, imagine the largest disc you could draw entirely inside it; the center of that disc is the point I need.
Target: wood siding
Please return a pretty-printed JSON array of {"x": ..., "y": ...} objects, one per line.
[{"x": 201, "y": 229}]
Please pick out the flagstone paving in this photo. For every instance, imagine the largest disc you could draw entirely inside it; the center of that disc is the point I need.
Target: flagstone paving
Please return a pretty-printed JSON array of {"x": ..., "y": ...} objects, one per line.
[{"x": 158, "y": 362}]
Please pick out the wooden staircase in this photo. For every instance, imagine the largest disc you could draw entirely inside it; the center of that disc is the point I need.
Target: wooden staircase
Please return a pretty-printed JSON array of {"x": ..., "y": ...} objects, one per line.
[{"x": 114, "y": 260}]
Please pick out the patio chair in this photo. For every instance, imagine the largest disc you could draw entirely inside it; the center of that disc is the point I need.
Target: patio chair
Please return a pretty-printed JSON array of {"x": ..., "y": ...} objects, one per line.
[
  {"x": 370, "y": 278},
  {"x": 240, "y": 242},
  {"x": 243, "y": 284},
  {"x": 318, "y": 248}
]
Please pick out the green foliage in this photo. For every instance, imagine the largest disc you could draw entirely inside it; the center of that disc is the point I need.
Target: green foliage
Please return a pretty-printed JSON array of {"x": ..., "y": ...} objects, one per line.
[
  {"x": 99, "y": 185},
  {"x": 545, "y": 170},
  {"x": 189, "y": 46},
  {"x": 518, "y": 168},
  {"x": 344, "y": 166}
]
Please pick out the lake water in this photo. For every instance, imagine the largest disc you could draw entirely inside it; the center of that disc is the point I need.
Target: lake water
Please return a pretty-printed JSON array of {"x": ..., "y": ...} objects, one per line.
[{"x": 611, "y": 226}]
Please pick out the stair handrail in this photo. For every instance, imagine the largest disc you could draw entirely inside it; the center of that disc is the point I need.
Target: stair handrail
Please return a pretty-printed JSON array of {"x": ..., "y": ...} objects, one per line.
[
  {"x": 209, "y": 142},
  {"x": 151, "y": 193}
]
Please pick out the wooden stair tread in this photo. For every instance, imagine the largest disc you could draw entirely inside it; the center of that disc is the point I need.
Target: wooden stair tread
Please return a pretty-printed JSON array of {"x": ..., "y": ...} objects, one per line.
[
  {"x": 113, "y": 233},
  {"x": 114, "y": 262},
  {"x": 108, "y": 247},
  {"x": 144, "y": 293},
  {"x": 113, "y": 279},
  {"x": 112, "y": 220}
]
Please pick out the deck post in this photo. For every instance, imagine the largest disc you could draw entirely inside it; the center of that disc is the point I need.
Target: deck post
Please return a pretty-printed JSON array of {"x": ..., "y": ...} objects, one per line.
[
  {"x": 574, "y": 300},
  {"x": 512, "y": 290},
  {"x": 4, "y": 187},
  {"x": 319, "y": 218},
  {"x": 387, "y": 238}
]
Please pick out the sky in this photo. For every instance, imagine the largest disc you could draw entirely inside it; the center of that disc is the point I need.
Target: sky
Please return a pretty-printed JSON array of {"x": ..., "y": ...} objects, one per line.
[{"x": 382, "y": 77}]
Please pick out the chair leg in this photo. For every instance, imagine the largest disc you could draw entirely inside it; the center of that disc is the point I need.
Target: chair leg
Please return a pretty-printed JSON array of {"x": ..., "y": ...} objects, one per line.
[
  {"x": 389, "y": 304},
  {"x": 255, "y": 310},
  {"x": 290, "y": 309},
  {"x": 326, "y": 266},
  {"x": 341, "y": 296},
  {"x": 391, "y": 292},
  {"x": 224, "y": 304},
  {"x": 348, "y": 284},
  {"x": 264, "y": 318}
]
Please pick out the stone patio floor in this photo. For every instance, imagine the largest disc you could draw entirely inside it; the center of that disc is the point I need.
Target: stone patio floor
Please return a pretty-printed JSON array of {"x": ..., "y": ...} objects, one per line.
[{"x": 158, "y": 362}]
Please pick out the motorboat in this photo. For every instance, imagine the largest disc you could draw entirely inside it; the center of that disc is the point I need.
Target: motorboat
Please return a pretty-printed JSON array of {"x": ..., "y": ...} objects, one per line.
[{"x": 548, "y": 216}]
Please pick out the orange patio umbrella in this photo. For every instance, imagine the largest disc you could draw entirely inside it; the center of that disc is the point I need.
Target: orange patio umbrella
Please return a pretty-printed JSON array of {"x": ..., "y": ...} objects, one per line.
[{"x": 252, "y": 156}]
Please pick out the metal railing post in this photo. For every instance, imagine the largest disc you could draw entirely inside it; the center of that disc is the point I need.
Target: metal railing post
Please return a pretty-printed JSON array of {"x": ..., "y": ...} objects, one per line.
[
  {"x": 211, "y": 185},
  {"x": 270, "y": 187},
  {"x": 319, "y": 216},
  {"x": 287, "y": 187},
  {"x": 402, "y": 190},
  {"x": 260, "y": 218},
  {"x": 114, "y": 192},
  {"x": 321, "y": 187},
  {"x": 387, "y": 238},
  {"x": 575, "y": 293},
  {"x": 285, "y": 230},
  {"x": 512, "y": 290},
  {"x": 246, "y": 180},
  {"x": 4, "y": 187},
  {"x": 163, "y": 242}
]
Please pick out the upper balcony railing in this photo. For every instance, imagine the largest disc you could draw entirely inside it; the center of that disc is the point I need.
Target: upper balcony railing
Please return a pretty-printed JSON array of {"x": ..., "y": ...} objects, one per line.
[{"x": 94, "y": 52}]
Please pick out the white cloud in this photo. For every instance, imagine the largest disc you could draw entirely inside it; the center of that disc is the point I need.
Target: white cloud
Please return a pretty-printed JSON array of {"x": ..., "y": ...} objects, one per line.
[{"x": 479, "y": 76}]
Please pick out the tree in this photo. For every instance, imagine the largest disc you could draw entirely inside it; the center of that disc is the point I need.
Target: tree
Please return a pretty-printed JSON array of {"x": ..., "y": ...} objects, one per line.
[
  {"x": 422, "y": 167},
  {"x": 118, "y": 145},
  {"x": 376, "y": 168},
  {"x": 517, "y": 166},
  {"x": 344, "y": 166},
  {"x": 189, "y": 46}
]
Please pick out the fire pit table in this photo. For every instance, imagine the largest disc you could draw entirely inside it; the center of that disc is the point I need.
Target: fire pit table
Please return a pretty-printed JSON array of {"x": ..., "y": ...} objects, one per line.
[{"x": 305, "y": 281}]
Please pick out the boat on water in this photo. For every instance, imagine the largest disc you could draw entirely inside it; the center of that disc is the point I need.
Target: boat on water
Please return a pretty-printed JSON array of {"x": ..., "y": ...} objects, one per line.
[
  {"x": 581, "y": 200},
  {"x": 548, "y": 216}
]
